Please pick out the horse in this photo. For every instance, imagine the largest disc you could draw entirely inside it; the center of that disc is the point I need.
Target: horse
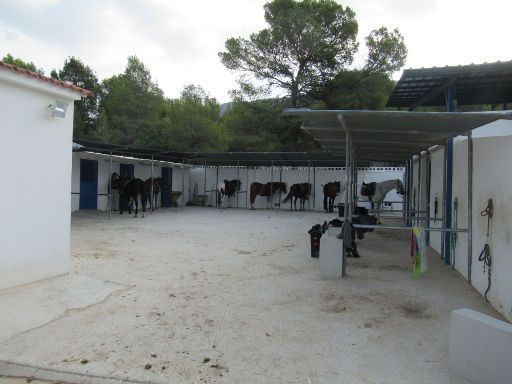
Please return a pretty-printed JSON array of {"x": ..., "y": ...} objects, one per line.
[
  {"x": 268, "y": 189},
  {"x": 298, "y": 191},
  {"x": 227, "y": 188},
  {"x": 152, "y": 200},
  {"x": 131, "y": 187},
  {"x": 331, "y": 190},
  {"x": 376, "y": 192}
]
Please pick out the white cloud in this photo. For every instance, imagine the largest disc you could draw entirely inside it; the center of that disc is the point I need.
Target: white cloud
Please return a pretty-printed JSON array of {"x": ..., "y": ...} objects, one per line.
[{"x": 179, "y": 41}]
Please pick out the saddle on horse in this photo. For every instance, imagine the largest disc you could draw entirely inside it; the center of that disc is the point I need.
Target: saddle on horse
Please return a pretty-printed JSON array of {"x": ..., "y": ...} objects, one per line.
[{"x": 368, "y": 189}]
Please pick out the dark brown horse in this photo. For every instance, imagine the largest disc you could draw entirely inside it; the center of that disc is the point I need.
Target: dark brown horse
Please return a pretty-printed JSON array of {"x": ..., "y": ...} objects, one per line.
[
  {"x": 298, "y": 191},
  {"x": 331, "y": 189},
  {"x": 130, "y": 188},
  {"x": 268, "y": 190},
  {"x": 156, "y": 190}
]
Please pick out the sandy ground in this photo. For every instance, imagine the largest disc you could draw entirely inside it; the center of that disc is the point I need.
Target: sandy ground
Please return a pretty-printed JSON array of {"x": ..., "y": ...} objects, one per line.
[{"x": 232, "y": 296}]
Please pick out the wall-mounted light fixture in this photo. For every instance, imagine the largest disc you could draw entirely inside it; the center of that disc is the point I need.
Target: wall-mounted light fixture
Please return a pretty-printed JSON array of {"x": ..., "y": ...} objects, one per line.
[{"x": 58, "y": 109}]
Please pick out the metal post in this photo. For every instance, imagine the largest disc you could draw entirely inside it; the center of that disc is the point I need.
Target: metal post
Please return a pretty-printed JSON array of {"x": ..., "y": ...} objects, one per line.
[
  {"x": 151, "y": 197},
  {"x": 110, "y": 187},
  {"x": 271, "y": 184},
  {"x": 420, "y": 187},
  {"x": 448, "y": 200},
  {"x": 205, "y": 180},
  {"x": 309, "y": 182},
  {"x": 280, "y": 181},
  {"x": 216, "y": 190},
  {"x": 347, "y": 207},
  {"x": 314, "y": 189},
  {"x": 247, "y": 189},
  {"x": 182, "y": 184},
  {"x": 443, "y": 200},
  {"x": 470, "y": 204},
  {"x": 238, "y": 178}
]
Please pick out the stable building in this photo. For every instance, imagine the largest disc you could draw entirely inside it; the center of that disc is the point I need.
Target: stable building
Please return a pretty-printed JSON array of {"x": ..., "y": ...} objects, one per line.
[{"x": 36, "y": 115}]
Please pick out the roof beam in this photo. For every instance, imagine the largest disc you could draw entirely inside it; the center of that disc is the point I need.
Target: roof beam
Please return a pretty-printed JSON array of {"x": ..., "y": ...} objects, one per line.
[{"x": 434, "y": 93}]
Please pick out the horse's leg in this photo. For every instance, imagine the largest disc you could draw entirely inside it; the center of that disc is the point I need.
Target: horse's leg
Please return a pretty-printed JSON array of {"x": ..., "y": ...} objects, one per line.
[
  {"x": 143, "y": 200},
  {"x": 136, "y": 202}
]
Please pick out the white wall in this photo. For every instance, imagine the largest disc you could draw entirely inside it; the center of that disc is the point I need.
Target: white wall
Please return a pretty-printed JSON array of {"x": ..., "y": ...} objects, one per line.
[
  {"x": 436, "y": 191},
  {"x": 35, "y": 235},
  {"x": 492, "y": 178},
  {"x": 141, "y": 169},
  {"x": 318, "y": 177}
]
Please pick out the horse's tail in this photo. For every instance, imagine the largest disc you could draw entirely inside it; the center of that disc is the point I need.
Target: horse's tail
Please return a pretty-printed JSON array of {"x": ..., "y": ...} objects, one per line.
[
  {"x": 253, "y": 193},
  {"x": 325, "y": 202},
  {"x": 288, "y": 196}
]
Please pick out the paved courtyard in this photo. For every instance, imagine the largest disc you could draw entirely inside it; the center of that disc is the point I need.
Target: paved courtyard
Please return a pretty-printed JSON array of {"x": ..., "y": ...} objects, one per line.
[{"x": 203, "y": 295}]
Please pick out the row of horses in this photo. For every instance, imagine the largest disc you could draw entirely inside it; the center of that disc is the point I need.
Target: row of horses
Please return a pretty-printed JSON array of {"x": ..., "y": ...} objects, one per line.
[
  {"x": 376, "y": 192},
  {"x": 130, "y": 188}
]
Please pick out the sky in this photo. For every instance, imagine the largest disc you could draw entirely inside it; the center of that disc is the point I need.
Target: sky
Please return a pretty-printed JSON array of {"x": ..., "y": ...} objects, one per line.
[{"x": 179, "y": 40}]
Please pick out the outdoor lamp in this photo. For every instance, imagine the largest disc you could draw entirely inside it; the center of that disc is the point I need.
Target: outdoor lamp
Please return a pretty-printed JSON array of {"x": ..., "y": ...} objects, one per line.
[{"x": 58, "y": 109}]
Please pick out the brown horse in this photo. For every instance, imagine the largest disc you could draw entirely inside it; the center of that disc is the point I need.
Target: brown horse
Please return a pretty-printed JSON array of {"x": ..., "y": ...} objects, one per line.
[
  {"x": 331, "y": 189},
  {"x": 156, "y": 190},
  {"x": 268, "y": 189},
  {"x": 298, "y": 191}
]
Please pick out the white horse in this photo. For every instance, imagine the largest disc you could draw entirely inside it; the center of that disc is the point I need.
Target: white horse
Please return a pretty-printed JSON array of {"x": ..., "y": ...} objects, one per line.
[
  {"x": 382, "y": 189},
  {"x": 227, "y": 188}
]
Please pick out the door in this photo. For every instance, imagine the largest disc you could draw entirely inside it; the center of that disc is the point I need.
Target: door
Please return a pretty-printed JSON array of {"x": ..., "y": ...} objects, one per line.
[
  {"x": 166, "y": 186},
  {"x": 125, "y": 170},
  {"x": 88, "y": 184}
]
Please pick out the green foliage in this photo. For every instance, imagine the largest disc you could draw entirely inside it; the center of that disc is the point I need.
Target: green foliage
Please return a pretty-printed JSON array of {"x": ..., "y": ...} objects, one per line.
[
  {"x": 306, "y": 42},
  {"x": 259, "y": 126},
  {"x": 356, "y": 89},
  {"x": 9, "y": 59},
  {"x": 86, "y": 114},
  {"x": 386, "y": 51}
]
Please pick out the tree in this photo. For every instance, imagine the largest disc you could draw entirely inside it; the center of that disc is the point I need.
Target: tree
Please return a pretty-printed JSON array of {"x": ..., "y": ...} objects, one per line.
[
  {"x": 193, "y": 122},
  {"x": 9, "y": 59},
  {"x": 307, "y": 45},
  {"x": 132, "y": 104},
  {"x": 306, "y": 42},
  {"x": 86, "y": 115}
]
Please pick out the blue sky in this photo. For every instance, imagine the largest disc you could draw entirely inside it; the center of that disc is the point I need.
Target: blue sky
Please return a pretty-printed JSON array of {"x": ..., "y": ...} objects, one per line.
[{"x": 179, "y": 40}]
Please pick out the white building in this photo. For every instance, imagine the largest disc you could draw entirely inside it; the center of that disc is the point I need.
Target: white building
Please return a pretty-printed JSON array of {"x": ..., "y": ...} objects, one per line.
[{"x": 36, "y": 128}]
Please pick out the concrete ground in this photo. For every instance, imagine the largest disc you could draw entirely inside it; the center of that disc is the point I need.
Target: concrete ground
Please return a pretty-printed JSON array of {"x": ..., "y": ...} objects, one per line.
[{"x": 231, "y": 296}]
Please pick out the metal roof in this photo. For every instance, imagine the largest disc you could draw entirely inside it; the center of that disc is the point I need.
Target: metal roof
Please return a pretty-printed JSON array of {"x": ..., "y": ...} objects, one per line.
[
  {"x": 291, "y": 159},
  {"x": 489, "y": 83},
  {"x": 389, "y": 136}
]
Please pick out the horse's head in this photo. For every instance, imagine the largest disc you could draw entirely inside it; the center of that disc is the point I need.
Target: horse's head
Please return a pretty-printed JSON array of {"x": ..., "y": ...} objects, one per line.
[
  {"x": 283, "y": 187},
  {"x": 337, "y": 184},
  {"x": 114, "y": 181},
  {"x": 237, "y": 184},
  {"x": 400, "y": 187}
]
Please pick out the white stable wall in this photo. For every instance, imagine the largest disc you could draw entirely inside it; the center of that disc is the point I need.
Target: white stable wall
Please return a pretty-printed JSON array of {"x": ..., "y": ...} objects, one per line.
[
  {"x": 141, "y": 169},
  {"x": 35, "y": 235},
  {"x": 491, "y": 179},
  {"x": 436, "y": 191}
]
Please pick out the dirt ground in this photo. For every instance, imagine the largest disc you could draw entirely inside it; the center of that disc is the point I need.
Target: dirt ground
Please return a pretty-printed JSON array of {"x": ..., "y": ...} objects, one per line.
[{"x": 232, "y": 296}]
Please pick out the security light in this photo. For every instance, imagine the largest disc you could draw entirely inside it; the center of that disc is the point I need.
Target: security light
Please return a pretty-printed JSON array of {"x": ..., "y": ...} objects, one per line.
[{"x": 58, "y": 109}]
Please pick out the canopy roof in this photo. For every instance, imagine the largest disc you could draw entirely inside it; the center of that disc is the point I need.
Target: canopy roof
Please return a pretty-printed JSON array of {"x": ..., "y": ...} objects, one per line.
[
  {"x": 389, "y": 136},
  {"x": 489, "y": 83},
  {"x": 292, "y": 159}
]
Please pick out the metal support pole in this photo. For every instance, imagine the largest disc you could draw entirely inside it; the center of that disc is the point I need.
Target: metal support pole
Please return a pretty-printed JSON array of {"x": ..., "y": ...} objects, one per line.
[
  {"x": 346, "y": 206},
  {"x": 205, "y": 179},
  {"x": 309, "y": 182},
  {"x": 216, "y": 191},
  {"x": 443, "y": 200},
  {"x": 470, "y": 204},
  {"x": 314, "y": 188},
  {"x": 182, "y": 184},
  {"x": 110, "y": 187},
  {"x": 420, "y": 200},
  {"x": 280, "y": 181},
  {"x": 238, "y": 178},
  {"x": 151, "y": 197},
  {"x": 272, "y": 184},
  {"x": 247, "y": 189},
  {"x": 448, "y": 201}
]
